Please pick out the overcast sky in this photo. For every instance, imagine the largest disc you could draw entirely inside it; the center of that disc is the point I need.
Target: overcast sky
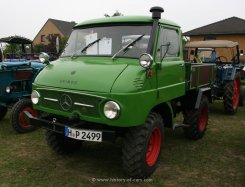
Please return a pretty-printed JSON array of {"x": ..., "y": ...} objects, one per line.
[{"x": 26, "y": 17}]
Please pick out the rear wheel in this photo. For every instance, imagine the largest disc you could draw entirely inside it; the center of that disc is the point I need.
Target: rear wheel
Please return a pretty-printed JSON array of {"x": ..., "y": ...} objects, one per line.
[
  {"x": 3, "y": 111},
  {"x": 142, "y": 147},
  {"x": 197, "y": 119},
  {"x": 231, "y": 95},
  {"x": 242, "y": 96},
  {"x": 18, "y": 121},
  {"x": 61, "y": 144}
]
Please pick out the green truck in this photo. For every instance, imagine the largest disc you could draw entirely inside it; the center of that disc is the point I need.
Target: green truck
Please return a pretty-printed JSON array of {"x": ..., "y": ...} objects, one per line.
[{"x": 122, "y": 77}]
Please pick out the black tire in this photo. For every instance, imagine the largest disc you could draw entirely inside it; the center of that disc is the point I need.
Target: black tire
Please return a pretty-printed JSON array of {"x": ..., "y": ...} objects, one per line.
[
  {"x": 197, "y": 119},
  {"x": 17, "y": 119},
  {"x": 242, "y": 96},
  {"x": 61, "y": 144},
  {"x": 231, "y": 95},
  {"x": 142, "y": 147},
  {"x": 3, "y": 112}
]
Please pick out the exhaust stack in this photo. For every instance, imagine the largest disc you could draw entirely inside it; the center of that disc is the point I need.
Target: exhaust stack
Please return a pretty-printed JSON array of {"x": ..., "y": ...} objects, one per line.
[{"x": 156, "y": 12}]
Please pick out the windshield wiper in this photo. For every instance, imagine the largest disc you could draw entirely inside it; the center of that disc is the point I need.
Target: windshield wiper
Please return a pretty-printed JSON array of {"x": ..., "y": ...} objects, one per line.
[
  {"x": 127, "y": 46},
  {"x": 90, "y": 44}
]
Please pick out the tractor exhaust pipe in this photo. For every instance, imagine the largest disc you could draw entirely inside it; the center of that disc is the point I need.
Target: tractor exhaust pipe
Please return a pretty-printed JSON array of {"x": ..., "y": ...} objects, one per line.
[
  {"x": 156, "y": 12},
  {"x": 156, "y": 15}
]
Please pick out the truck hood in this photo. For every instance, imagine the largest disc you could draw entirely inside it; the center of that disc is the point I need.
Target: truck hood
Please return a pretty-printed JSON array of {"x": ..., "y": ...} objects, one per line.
[{"x": 78, "y": 74}]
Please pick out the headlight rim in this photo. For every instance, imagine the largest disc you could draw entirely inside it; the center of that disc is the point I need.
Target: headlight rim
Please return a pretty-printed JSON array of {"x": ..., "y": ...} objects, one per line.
[
  {"x": 116, "y": 106},
  {"x": 37, "y": 97},
  {"x": 149, "y": 63},
  {"x": 8, "y": 89}
]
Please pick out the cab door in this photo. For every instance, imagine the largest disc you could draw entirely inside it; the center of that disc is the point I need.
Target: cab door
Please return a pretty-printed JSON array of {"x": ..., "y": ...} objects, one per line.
[{"x": 170, "y": 64}]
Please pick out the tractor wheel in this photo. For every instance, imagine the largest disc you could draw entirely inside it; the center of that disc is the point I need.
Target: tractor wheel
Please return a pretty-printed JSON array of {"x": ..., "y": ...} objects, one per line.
[
  {"x": 242, "y": 96},
  {"x": 17, "y": 118},
  {"x": 142, "y": 147},
  {"x": 197, "y": 119},
  {"x": 61, "y": 144},
  {"x": 231, "y": 95},
  {"x": 3, "y": 111}
]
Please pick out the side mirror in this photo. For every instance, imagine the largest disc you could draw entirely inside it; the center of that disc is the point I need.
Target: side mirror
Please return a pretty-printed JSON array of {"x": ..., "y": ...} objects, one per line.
[
  {"x": 44, "y": 58},
  {"x": 145, "y": 60}
]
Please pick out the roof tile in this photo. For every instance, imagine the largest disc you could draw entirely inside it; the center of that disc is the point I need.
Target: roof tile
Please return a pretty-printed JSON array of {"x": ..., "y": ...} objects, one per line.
[
  {"x": 64, "y": 26},
  {"x": 232, "y": 25}
]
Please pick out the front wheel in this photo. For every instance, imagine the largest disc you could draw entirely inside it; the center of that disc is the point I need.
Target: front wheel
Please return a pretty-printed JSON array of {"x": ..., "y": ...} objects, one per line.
[
  {"x": 197, "y": 119},
  {"x": 3, "y": 111},
  {"x": 17, "y": 118},
  {"x": 142, "y": 146},
  {"x": 61, "y": 144},
  {"x": 231, "y": 95}
]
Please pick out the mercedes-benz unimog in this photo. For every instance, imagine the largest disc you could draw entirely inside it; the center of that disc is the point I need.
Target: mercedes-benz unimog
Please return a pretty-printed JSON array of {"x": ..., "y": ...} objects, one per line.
[{"x": 122, "y": 77}]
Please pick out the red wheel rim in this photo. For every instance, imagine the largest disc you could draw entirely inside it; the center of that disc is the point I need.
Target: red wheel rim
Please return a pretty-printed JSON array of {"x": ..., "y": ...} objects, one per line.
[
  {"x": 203, "y": 119},
  {"x": 154, "y": 147},
  {"x": 236, "y": 93},
  {"x": 22, "y": 121}
]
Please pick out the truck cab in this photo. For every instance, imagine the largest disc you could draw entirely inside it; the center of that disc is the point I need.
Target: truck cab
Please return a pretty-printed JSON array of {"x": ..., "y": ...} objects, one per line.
[{"x": 101, "y": 61}]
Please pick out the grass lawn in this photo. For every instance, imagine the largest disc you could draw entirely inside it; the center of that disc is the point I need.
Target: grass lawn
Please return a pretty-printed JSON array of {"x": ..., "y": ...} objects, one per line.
[{"x": 216, "y": 160}]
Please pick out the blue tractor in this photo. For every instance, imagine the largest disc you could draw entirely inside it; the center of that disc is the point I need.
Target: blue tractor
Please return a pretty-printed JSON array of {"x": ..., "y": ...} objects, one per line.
[
  {"x": 226, "y": 55},
  {"x": 17, "y": 72}
]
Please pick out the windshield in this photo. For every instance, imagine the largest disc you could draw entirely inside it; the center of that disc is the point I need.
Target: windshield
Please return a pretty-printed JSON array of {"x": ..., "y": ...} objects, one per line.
[
  {"x": 107, "y": 41},
  {"x": 226, "y": 55}
]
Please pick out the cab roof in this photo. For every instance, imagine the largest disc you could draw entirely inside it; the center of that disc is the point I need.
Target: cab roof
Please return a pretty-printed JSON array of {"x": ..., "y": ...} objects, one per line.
[
  {"x": 211, "y": 44},
  {"x": 123, "y": 19},
  {"x": 16, "y": 40}
]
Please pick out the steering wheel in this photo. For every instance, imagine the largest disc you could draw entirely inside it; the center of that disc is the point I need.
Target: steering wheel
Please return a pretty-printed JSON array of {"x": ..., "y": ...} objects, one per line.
[{"x": 224, "y": 59}]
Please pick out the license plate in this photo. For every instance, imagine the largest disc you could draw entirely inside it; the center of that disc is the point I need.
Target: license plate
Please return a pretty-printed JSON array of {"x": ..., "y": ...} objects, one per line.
[{"x": 81, "y": 134}]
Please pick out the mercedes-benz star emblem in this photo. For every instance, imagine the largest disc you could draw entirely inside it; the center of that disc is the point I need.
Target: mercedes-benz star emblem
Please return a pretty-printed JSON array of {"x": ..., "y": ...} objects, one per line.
[{"x": 65, "y": 102}]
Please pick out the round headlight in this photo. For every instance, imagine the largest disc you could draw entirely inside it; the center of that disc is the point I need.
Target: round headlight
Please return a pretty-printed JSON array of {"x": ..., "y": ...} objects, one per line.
[
  {"x": 111, "y": 110},
  {"x": 145, "y": 60},
  {"x": 35, "y": 97},
  {"x": 44, "y": 58},
  {"x": 8, "y": 89}
]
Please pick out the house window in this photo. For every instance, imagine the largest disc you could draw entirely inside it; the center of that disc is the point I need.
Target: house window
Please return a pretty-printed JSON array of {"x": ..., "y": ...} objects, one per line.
[
  {"x": 42, "y": 38},
  {"x": 210, "y": 37}
]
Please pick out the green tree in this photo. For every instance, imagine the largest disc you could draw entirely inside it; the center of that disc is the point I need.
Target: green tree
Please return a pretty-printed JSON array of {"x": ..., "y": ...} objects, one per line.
[
  {"x": 12, "y": 48},
  {"x": 38, "y": 48},
  {"x": 117, "y": 13},
  {"x": 63, "y": 41},
  {"x": 51, "y": 47}
]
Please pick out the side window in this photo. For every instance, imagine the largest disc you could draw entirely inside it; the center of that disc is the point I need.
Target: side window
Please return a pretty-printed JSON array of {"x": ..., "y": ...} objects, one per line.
[{"x": 168, "y": 43}]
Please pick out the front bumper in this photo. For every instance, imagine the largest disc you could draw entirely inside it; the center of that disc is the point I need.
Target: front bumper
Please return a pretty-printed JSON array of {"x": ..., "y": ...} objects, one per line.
[
  {"x": 89, "y": 106},
  {"x": 55, "y": 126}
]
